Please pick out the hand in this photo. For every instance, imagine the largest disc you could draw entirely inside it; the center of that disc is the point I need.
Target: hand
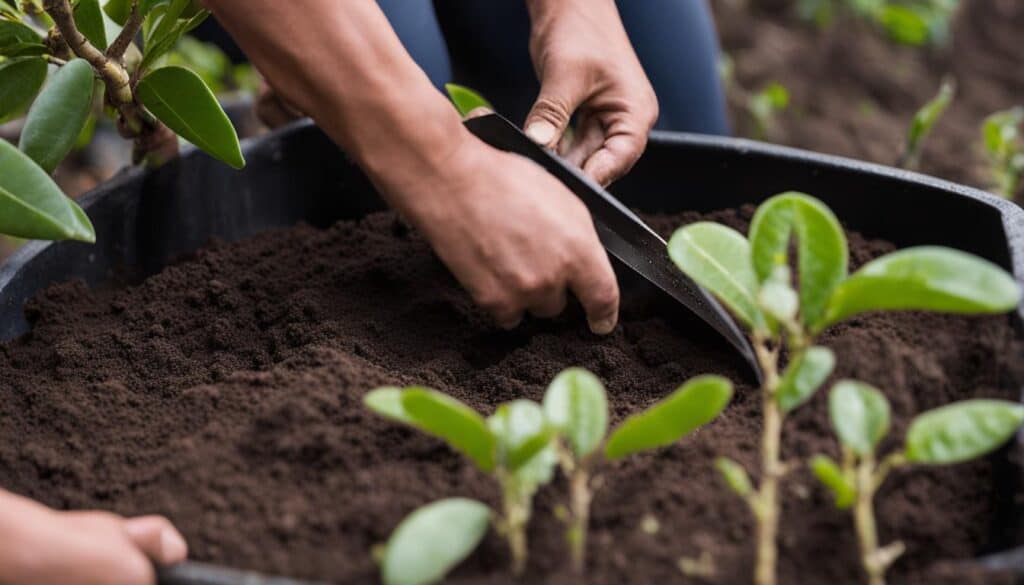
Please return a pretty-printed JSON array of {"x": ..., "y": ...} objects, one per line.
[
  {"x": 586, "y": 65},
  {"x": 43, "y": 546},
  {"x": 515, "y": 237}
]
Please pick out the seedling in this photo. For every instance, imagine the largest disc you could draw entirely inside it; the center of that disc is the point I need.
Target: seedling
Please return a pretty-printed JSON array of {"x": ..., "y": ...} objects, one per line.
[
  {"x": 465, "y": 99},
  {"x": 909, "y": 22},
  {"x": 765, "y": 105},
  {"x": 432, "y": 540},
  {"x": 923, "y": 122},
  {"x": 513, "y": 445},
  {"x": 951, "y": 434},
  {"x": 1004, "y": 148},
  {"x": 152, "y": 104},
  {"x": 576, "y": 406},
  {"x": 752, "y": 279}
]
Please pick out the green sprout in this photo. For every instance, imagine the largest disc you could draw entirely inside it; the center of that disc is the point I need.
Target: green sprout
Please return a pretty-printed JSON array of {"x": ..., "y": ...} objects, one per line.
[
  {"x": 951, "y": 434},
  {"x": 909, "y": 22},
  {"x": 513, "y": 445},
  {"x": 576, "y": 406},
  {"x": 465, "y": 99},
  {"x": 765, "y": 105},
  {"x": 152, "y": 102},
  {"x": 1004, "y": 149},
  {"x": 751, "y": 277},
  {"x": 923, "y": 123}
]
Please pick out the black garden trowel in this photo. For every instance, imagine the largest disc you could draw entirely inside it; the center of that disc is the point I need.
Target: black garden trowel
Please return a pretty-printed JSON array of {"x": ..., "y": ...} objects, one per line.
[{"x": 623, "y": 234}]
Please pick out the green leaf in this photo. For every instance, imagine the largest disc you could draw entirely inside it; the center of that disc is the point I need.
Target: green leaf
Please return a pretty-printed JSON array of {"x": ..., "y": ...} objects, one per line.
[
  {"x": 32, "y": 205},
  {"x": 718, "y": 258},
  {"x": 466, "y": 100},
  {"x": 180, "y": 99},
  {"x": 860, "y": 415},
  {"x": 387, "y": 402},
  {"x": 432, "y": 540},
  {"x": 735, "y": 476},
  {"x": 20, "y": 80},
  {"x": 521, "y": 432},
  {"x": 452, "y": 421},
  {"x": 962, "y": 431},
  {"x": 118, "y": 10},
  {"x": 29, "y": 49},
  {"x": 694, "y": 404},
  {"x": 905, "y": 25},
  {"x": 58, "y": 115},
  {"x": 576, "y": 405},
  {"x": 803, "y": 376},
  {"x": 89, "y": 18},
  {"x": 821, "y": 248},
  {"x": 14, "y": 33},
  {"x": 536, "y": 471},
  {"x": 777, "y": 297},
  {"x": 832, "y": 477},
  {"x": 926, "y": 278},
  {"x": 925, "y": 118}
]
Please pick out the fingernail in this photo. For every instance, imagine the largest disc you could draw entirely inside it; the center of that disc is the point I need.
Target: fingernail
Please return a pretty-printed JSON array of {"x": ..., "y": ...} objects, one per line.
[
  {"x": 541, "y": 132},
  {"x": 173, "y": 546},
  {"x": 603, "y": 326}
]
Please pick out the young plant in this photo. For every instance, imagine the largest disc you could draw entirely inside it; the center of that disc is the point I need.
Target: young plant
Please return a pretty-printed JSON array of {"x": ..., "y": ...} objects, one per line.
[
  {"x": 152, "y": 105},
  {"x": 432, "y": 540},
  {"x": 465, "y": 99},
  {"x": 576, "y": 406},
  {"x": 765, "y": 105},
  {"x": 1004, "y": 149},
  {"x": 513, "y": 445},
  {"x": 951, "y": 434},
  {"x": 752, "y": 279},
  {"x": 923, "y": 122}
]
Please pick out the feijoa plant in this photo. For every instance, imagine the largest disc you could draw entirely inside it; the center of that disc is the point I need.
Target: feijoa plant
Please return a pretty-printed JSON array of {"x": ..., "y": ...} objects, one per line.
[
  {"x": 513, "y": 445},
  {"x": 1004, "y": 149},
  {"x": 576, "y": 406},
  {"x": 152, "y": 104},
  {"x": 924, "y": 121},
  {"x": 751, "y": 277},
  {"x": 951, "y": 434}
]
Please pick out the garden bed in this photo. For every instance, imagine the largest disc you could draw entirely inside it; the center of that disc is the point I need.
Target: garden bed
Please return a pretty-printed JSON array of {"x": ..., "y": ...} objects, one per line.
[
  {"x": 225, "y": 392},
  {"x": 853, "y": 92}
]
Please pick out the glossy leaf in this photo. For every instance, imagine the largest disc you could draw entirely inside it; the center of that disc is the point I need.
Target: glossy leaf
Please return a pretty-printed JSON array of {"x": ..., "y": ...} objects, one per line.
[
  {"x": 803, "y": 376},
  {"x": 576, "y": 405},
  {"x": 735, "y": 476},
  {"x": 694, "y": 404},
  {"x": 180, "y": 99},
  {"x": 433, "y": 540},
  {"x": 31, "y": 204},
  {"x": 118, "y": 10},
  {"x": 14, "y": 33},
  {"x": 962, "y": 431},
  {"x": 718, "y": 258},
  {"x": 831, "y": 476},
  {"x": 860, "y": 415},
  {"x": 20, "y": 80},
  {"x": 58, "y": 115},
  {"x": 465, "y": 99},
  {"x": 387, "y": 402},
  {"x": 520, "y": 430},
  {"x": 89, "y": 19},
  {"x": 452, "y": 421},
  {"x": 927, "y": 278},
  {"x": 821, "y": 248}
]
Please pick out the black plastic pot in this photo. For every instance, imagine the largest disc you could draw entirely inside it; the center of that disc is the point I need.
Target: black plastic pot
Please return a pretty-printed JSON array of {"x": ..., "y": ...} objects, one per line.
[{"x": 144, "y": 220}]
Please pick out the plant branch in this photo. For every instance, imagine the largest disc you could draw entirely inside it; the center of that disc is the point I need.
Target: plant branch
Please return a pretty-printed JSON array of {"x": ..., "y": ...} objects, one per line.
[
  {"x": 765, "y": 504},
  {"x": 114, "y": 76},
  {"x": 131, "y": 28}
]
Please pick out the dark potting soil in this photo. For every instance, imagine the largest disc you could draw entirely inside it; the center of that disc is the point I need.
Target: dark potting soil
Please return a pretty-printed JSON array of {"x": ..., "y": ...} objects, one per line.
[
  {"x": 225, "y": 392},
  {"x": 853, "y": 92}
]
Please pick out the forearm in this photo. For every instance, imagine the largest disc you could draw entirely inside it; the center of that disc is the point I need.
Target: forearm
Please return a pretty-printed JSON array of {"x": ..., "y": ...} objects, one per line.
[{"x": 342, "y": 64}]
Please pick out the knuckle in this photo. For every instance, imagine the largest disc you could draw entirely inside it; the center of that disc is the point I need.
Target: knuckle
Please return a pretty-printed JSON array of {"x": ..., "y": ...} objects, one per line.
[{"x": 552, "y": 108}]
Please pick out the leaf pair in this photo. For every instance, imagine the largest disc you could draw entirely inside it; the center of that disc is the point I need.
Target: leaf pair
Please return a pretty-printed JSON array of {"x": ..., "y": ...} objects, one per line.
[
  {"x": 575, "y": 404},
  {"x": 924, "y": 278}
]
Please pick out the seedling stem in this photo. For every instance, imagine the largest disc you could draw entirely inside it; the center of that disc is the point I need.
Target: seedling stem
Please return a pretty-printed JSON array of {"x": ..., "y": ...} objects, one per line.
[{"x": 764, "y": 504}]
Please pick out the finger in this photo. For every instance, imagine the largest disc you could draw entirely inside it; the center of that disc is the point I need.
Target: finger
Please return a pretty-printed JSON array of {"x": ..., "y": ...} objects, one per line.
[
  {"x": 478, "y": 112},
  {"x": 594, "y": 284},
  {"x": 589, "y": 138},
  {"x": 560, "y": 94},
  {"x": 615, "y": 157},
  {"x": 508, "y": 319},
  {"x": 272, "y": 109},
  {"x": 157, "y": 538},
  {"x": 548, "y": 303}
]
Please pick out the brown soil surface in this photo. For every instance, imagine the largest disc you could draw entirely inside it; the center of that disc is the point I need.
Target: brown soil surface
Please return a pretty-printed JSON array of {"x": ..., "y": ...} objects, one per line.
[
  {"x": 225, "y": 393},
  {"x": 853, "y": 92}
]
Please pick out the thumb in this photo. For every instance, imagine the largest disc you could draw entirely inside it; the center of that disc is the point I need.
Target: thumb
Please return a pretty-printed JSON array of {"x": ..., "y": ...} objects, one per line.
[
  {"x": 559, "y": 97},
  {"x": 157, "y": 539}
]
